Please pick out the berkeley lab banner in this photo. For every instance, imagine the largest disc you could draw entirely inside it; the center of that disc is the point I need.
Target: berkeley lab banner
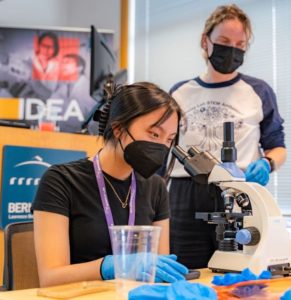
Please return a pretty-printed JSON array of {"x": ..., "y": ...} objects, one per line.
[
  {"x": 22, "y": 168},
  {"x": 46, "y": 72}
]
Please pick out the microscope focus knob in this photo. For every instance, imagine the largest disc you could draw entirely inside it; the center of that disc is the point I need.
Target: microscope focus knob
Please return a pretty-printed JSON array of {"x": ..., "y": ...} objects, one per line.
[{"x": 248, "y": 236}]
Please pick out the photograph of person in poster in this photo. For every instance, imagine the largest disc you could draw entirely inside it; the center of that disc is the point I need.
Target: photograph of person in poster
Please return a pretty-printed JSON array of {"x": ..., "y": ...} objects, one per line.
[
  {"x": 45, "y": 65},
  {"x": 48, "y": 71}
]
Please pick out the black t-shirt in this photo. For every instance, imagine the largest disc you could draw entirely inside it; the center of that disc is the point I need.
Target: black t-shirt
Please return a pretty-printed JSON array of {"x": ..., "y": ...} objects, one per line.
[{"x": 71, "y": 190}]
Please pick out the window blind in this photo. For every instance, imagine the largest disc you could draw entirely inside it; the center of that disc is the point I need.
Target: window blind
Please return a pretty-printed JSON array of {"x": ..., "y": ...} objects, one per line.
[{"x": 167, "y": 50}]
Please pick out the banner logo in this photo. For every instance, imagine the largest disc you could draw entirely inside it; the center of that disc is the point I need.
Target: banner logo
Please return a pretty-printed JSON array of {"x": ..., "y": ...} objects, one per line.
[{"x": 22, "y": 170}]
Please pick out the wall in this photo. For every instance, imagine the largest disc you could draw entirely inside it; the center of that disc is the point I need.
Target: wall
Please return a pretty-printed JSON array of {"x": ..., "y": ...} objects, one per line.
[
  {"x": 33, "y": 13},
  {"x": 104, "y": 14}
]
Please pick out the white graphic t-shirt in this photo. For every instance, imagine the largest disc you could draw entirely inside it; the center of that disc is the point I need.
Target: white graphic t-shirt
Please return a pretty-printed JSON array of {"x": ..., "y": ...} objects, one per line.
[{"x": 248, "y": 102}]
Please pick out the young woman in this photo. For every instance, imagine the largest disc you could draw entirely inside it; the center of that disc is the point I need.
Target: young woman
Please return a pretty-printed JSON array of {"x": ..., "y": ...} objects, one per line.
[
  {"x": 221, "y": 94},
  {"x": 70, "y": 221}
]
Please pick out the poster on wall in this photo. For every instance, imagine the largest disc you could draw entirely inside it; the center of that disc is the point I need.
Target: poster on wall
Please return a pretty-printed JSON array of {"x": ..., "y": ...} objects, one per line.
[
  {"x": 46, "y": 74},
  {"x": 22, "y": 168}
]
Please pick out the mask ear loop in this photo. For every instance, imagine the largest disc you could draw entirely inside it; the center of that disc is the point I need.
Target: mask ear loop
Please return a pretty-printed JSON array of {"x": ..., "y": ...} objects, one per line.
[
  {"x": 119, "y": 141},
  {"x": 129, "y": 135},
  {"x": 208, "y": 37},
  {"x": 206, "y": 48}
]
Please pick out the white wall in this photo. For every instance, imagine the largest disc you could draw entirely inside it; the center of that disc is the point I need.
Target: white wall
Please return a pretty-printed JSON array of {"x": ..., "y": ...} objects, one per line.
[
  {"x": 33, "y": 13},
  {"x": 104, "y": 14}
]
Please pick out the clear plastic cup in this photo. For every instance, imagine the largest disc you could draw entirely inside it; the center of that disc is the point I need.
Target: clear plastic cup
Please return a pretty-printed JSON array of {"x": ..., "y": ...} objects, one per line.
[{"x": 135, "y": 250}]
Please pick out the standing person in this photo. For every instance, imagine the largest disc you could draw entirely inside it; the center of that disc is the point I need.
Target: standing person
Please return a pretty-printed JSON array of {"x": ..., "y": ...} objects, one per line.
[
  {"x": 141, "y": 125},
  {"x": 221, "y": 94}
]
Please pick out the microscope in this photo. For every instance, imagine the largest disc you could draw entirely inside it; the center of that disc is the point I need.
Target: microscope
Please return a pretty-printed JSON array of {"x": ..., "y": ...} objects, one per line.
[{"x": 260, "y": 230}]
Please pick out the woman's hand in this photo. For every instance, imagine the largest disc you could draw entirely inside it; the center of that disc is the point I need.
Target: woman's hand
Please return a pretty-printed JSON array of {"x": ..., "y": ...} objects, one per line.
[{"x": 139, "y": 267}]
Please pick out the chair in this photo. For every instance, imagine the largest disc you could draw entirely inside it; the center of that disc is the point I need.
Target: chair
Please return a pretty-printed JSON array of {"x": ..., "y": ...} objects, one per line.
[{"x": 20, "y": 268}]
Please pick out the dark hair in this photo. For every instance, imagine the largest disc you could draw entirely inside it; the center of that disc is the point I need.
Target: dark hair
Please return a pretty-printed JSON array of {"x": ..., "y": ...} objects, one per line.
[
  {"x": 131, "y": 101},
  {"x": 54, "y": 38},
  {"x": 79, "y": 61}
]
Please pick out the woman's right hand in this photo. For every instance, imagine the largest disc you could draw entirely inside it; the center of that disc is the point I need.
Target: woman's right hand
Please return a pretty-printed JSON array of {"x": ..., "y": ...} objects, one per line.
[{"x": 169, "y": 270}]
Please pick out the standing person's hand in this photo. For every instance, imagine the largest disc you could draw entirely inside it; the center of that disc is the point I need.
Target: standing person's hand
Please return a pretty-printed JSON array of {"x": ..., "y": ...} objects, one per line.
[{"x": 258, "y": 171}]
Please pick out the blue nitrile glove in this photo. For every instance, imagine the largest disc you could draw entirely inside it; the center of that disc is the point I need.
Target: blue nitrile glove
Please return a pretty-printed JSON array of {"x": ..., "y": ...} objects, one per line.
[
  {"x": 287, "y": 295},
  {"x": 258, "y": 171},
  {"x": 107, "y": 268},
  {"x": 180, "y": 290},
  {"x": 169, "y": 270},
  {"x": 183, "y": 290},
  {"x": 148, "y": 292},
  {"x": 138, "y": 266},
  {"x": 245, "y": 275}
]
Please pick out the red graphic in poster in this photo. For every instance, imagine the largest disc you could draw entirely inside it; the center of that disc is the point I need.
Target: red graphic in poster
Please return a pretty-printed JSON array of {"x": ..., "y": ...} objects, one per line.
[
  {"x": 71, "y": 63},
  {"x": 56, "y": 58}
]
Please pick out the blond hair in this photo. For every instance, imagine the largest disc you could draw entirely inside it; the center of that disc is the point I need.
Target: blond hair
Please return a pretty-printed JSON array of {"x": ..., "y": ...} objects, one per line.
[{"x": 227, "y": 12}]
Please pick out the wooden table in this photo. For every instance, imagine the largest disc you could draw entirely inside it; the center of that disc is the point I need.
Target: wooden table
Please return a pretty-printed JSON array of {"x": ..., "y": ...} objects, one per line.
[
  {"x": 275, "y": 288},
  {"x": 206, "y": 277}
]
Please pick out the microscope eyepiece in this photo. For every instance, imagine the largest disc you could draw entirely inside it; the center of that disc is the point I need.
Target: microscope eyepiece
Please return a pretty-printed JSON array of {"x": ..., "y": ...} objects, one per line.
[
  {"x": 228, "y": 151},
  {"x": 228, "y": 133},
  {"x": 180, "y": 154}
]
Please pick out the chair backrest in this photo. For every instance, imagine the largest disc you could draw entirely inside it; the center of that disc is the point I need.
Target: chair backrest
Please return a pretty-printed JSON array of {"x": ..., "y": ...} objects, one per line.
[{"x": 20, "y": 268}]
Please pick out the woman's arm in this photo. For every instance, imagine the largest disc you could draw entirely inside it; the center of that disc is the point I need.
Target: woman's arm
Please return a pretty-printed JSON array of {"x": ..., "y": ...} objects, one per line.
[
  {"x": 51, "y": 236},
  {"x": 278, "y": 155},
  {"x": 164, "y": 246}
]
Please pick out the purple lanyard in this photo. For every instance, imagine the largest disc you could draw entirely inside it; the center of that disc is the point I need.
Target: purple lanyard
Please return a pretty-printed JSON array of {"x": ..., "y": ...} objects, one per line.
[{"x": 104, "y": 197}]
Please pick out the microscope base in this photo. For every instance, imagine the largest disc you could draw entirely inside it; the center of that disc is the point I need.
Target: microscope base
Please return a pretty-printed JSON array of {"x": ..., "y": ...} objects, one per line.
[{"x": 222, "y": 261}]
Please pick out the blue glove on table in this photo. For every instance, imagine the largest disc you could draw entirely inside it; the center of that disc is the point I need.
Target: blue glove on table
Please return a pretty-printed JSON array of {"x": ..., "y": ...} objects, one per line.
[
  {"x": 181, "y": 290},
  {"x": 286, "y": 296},
  {"x": 258, "y": 171},
  {"x": 167, "y": 270},
  {"x": 245, "y": 275}
]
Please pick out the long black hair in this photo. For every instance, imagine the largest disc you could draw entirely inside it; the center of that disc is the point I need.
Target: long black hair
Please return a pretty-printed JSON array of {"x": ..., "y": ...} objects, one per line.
[{"x": 128, "y": 102}]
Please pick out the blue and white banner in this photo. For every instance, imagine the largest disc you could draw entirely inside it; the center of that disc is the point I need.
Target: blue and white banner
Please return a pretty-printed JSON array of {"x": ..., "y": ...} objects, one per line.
[{"x": 22, "y": 168}]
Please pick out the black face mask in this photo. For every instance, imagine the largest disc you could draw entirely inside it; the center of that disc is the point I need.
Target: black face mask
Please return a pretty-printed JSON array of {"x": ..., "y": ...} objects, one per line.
[
  {"x": 145, "y": 157},
  {"x": 226, "y": 59}
]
